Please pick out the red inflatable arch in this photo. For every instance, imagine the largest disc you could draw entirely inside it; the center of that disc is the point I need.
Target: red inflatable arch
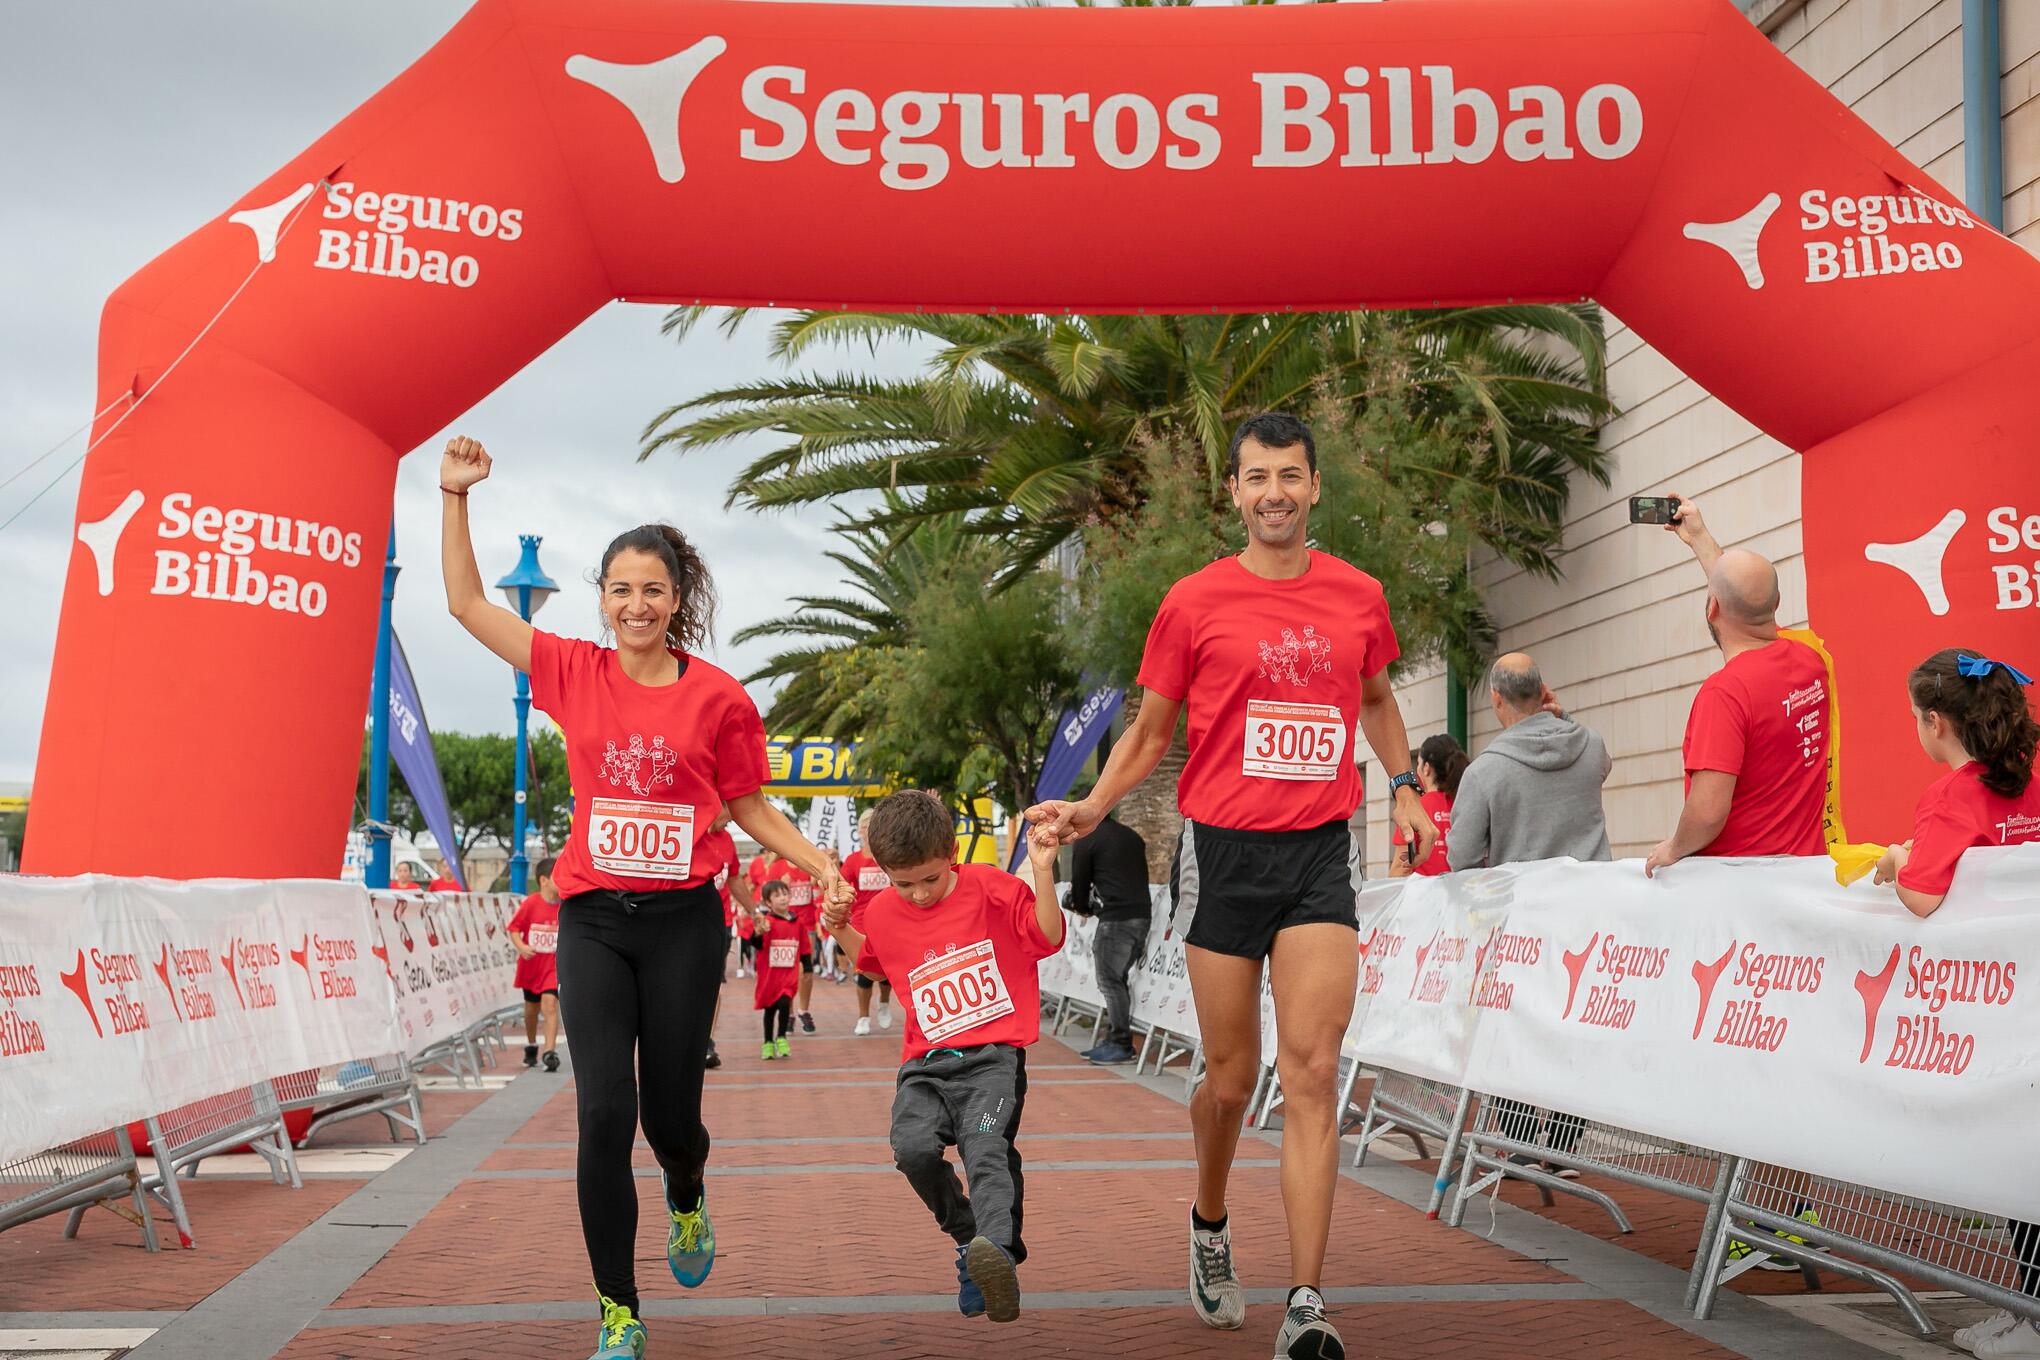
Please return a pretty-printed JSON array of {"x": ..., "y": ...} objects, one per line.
[{"x": 550, "y": 156}]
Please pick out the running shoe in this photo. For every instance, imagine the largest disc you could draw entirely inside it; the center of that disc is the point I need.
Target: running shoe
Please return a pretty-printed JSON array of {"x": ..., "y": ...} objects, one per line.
[
  {"x": 690, "y": 1244},
  {"x": 783, "y": 1046},
  {"x": 2016, "y": 1342},
  {"x": 970, "y": 1300},
  {"x": 622, "y": 1336},
  {"x": 1111, "y": 1055},
  {"x": 769, "y": 1051},
  {"x": 807, "y": 1023},
  {"x": 862, "y": 1027},
  {"x": 713, "y": 1060},
  {"x": 1305, "y": 1334},
  {"x": 1738, "y": 1249},
  {"x": 531, "y": 1055},
  {"x": 740, "y": 970},
  {"x": 990, "y": 1268},
  {"x": 1215, "y": 1291},
  {"x": 552, "y": 1061},
  {"x": 885, "y": 1015},
  {"x": 1970, "y": 1337}
]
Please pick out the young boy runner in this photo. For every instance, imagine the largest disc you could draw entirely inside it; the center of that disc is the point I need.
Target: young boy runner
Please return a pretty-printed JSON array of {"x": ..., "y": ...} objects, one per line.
[
  {"x": 864, "y": 876},
  {"x": 535, "y": 930},
  {"x": 962, "y": 942},
  {"x": 781, "y": 945},
  {"x": 801, "y": 885}
]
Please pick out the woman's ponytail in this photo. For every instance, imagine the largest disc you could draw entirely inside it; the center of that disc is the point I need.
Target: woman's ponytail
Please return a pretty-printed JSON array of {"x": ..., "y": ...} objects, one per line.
[{"x": 1447, "y": 760}]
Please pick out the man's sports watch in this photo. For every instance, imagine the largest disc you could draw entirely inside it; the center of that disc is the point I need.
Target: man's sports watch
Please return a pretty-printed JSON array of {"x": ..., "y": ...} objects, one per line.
[{"x": 1407, "y": 779}]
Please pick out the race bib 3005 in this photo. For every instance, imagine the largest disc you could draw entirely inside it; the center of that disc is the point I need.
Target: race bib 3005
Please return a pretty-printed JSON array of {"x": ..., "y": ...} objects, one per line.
[
  {"x": 959, "y": 991},
  {"x": 783, "y": 954},
  {"x": 1293, "y": 741},
  {"x": 644, "y": 840}
]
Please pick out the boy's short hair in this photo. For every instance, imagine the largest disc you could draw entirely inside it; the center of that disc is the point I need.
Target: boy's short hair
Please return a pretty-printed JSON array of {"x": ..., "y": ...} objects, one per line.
[
  {"x": 910, "y": 828},
  {"x": 774, "y": 887},
  {"x": 545, "y": 867}
]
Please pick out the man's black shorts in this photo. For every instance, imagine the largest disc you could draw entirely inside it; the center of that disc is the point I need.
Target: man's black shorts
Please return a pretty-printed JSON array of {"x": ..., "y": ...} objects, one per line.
[
  {"x": 531, "y": 997},
  {"x": 1236, "y": 889}
]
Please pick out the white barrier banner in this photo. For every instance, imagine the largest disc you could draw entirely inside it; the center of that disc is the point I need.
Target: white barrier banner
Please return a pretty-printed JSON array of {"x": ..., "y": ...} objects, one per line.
[
  {"x": 123, "y": 998},
  {"x": 1752, "y": 1007},
  {"x": 452, "y": 960}
]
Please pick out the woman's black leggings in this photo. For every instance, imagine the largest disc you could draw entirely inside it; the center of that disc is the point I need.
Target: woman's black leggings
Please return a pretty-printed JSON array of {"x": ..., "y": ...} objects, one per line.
[
  {"x": 781, "y": 1012},
  {"x": 638, "y": 983}
]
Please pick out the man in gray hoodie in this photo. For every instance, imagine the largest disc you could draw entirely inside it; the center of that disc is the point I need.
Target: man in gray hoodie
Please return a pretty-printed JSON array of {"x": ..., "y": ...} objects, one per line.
[{"x": 1535, "y": 791}]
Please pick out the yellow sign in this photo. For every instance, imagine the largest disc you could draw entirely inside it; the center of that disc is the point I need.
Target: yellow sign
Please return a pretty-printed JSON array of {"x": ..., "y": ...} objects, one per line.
[
  {"x": 977, "y": 839},
  {"x": 811, "y": 767}
]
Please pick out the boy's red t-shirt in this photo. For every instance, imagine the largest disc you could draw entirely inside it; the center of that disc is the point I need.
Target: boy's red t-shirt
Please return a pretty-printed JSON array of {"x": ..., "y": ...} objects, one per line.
[
  {"x": 966, "y": 966},
  {"x": 539, "y": 922},
  {"x": 1958, "y": 813},
  {"x": 1269, "y": 673},
  {"x": 1764, "y": 718},
  {"x": 780, "y": 946},
  {"x": 651, "y": 764},
  {"x": 1439, "y": 804}
]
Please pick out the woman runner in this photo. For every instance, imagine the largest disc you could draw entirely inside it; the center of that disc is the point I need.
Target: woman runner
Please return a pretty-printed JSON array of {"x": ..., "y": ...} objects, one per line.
[{"x": 658, "y": 742}]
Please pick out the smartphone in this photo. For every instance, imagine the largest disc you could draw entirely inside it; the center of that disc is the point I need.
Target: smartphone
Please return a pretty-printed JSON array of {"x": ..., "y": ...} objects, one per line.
[{"x": 1653, "y": 509}]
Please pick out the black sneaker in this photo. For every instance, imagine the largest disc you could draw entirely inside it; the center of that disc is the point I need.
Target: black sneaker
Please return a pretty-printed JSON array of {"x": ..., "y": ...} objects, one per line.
[
  {"x": 1111, "y": 1055},
  {"x": 531, "y": 1055},
  {"x": 807, "y": 1023},
  {"x": 552, "y": 1061},
  {"x": 713, "y": 1060}
]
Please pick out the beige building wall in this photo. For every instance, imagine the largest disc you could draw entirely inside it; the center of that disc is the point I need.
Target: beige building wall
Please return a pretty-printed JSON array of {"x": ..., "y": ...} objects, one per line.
[{"x": 1621, "y": 637}]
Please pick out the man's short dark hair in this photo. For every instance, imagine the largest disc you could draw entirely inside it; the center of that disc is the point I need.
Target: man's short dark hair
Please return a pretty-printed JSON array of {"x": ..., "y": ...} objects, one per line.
[
  {"x": 1271, "y": 430},
  {"x": 909, "y": 828}
]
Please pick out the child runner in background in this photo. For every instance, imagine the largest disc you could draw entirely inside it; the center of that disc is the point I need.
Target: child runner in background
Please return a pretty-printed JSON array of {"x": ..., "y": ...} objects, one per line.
[
  {"x": 719, "y": 848},
  {"x": 801, "y": 886},
  {"x": 535, "y": 930},
  {"x": 867, "y": 880},
  {"x": 781, "y": 945},
  {"x": 963, "y": 942},
  {"x": 1973, "y": 717}
]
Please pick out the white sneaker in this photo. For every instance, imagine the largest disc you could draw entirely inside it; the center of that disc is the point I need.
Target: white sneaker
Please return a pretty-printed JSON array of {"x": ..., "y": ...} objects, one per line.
[
  {"x": 1215, "y": 1293},
  {"x": 863, "y": 1025},
  {"x": 1305, "y": 1334},
  {"x": 885, "y": 1015},
  {"x": 2001, "y": 1321},
  {"x": 740, "y": 970},
  {"x": 2015, "y": 1342}
]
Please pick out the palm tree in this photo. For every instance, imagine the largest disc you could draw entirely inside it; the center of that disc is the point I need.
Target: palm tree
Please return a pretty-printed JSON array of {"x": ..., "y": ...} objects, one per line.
[{"x": 1026, "y": 427}]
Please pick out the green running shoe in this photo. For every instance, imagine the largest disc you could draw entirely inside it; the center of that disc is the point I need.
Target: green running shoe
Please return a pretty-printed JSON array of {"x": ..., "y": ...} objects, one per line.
[
  {"x": 690, "y": 1246},
  {"x": 622, "y": 1336},
  {"x": 768, "y": 1053},
  {"x": 783, "y": 1046}
]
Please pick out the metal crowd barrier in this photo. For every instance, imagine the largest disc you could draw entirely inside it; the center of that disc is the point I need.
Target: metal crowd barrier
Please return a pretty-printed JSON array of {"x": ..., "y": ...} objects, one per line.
[
  {"x": 1867, "y": 1235},
  {"x": 384, "y": 1086},
  {"x": 1418, "y": 1108},
  {"x": 183, "y": 1137},
  {"x": 99, "y": 1170}
]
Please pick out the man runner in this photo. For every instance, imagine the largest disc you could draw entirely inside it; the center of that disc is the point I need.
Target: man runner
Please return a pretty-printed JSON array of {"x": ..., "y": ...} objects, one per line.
[{"x": 1274, "y": 652}]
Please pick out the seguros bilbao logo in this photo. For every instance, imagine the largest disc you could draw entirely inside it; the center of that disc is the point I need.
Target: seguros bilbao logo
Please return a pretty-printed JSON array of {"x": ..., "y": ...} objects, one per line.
[
  {"x": 1924, "y": 1035},
  {"x": 1846, "y": 236}
]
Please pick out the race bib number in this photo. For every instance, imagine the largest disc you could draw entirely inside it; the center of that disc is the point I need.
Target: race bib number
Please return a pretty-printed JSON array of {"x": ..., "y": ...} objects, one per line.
[
  {"x": 871, "y": 878},
  {"x": 1293, "y": 741},
  {"x": 644, "y": 840},
  {"x": 544, "y": 939},
  {"x": 801, "y": 894},
  {"x": 959, "y": 991},
  {"x": 783, "y": 954}
]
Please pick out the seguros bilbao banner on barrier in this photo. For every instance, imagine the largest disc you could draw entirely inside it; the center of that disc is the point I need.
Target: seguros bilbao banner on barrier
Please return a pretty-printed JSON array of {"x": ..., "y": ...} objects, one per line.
[
  {"x": 451, "y": 960},
  {"x": 123, "y": 998}
]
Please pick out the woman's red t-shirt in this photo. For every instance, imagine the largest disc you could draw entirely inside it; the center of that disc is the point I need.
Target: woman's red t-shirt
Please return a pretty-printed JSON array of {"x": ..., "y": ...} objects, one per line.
[
  {"x": 1958, "y": 813},
  {"x": 1439, "y": 804},
  {"x": 651, "y": 764}
]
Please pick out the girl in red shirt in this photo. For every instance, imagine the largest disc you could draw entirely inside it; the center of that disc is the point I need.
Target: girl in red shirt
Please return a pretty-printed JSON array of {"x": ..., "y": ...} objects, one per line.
[
  {"x": 781, "y": 945},
  {"x": 658, "y": 743},
  {"x": 1439, "y": 764},
  {"x": 1973, "y": 718}
]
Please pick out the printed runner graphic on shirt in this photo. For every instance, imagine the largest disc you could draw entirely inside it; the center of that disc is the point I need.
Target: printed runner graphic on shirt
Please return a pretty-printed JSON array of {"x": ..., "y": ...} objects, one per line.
[
  {"x": 1297, "y": 659},
  {"x": 959, "y": 991},
  {"x": 645, "y": 769}
]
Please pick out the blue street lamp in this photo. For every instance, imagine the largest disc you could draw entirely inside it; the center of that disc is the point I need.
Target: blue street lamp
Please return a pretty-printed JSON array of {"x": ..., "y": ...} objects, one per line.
[
  {"x": 377, "y": 874},
  {"x": 527, "y": 589}
]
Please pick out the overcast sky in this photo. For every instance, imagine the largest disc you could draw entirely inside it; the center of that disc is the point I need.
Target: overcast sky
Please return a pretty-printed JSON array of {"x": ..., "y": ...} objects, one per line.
[{"x": 130, "y": 124}]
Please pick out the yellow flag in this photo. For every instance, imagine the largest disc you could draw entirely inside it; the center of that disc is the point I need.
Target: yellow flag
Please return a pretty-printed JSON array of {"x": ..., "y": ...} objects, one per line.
[{"x": 1852, "y": 859}]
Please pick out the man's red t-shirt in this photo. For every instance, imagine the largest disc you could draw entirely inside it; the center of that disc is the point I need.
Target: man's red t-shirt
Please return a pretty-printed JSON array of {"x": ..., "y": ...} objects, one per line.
[
  {"x": 966, "y": 965},
  {"x": 780, "y": 947},
  {"x": 866, "y": 880},
  {"x": 539, "y": 922},
  {"x": 1439, "y": 804},
  {"x": 1270, "y": 674},
  {"x": 651, "y": 764},
  {"x": 801, "y": 885},
  {"x": 1957, "y": 813},
  {"x": 1763, "y": 718},
  {"x": 444, "y": 885}
]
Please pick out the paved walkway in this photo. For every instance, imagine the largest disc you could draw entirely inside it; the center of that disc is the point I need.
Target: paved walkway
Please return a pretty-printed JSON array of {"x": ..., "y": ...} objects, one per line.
[{"x": 469, "y": 1246}]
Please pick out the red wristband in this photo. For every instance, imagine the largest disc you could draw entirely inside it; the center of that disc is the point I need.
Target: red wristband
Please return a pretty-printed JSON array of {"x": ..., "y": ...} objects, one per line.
[{"x": 451, "y": 492}]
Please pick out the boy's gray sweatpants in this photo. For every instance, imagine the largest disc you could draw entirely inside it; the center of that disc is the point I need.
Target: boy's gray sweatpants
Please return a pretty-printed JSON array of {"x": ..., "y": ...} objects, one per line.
[{"x": 969, "y": 1098}]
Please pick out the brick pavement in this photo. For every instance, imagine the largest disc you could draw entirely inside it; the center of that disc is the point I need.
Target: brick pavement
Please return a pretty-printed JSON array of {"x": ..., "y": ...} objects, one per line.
[{"x": 826, "y": 1252}]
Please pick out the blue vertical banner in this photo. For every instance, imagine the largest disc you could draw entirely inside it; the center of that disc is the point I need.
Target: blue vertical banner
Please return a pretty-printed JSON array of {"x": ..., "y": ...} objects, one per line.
[
  {"x": 1077, "y": 734},
  {"x": 411, "y": 748}
]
